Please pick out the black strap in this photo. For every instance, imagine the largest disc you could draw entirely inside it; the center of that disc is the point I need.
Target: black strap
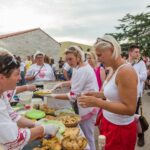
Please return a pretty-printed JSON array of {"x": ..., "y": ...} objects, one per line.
[
  {"x": 141, "y": 109},
  {"x": 136, "y": 62},
  {"x": 75, "y": 107},
  {"x": 38, "y": 71}
]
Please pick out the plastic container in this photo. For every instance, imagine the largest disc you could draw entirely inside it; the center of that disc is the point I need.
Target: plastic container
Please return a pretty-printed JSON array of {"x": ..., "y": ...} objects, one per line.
[
  {"x": 36, "y": 101},
  {"x": 101, "y": 142},
  {"x": 25, "y": 97}
]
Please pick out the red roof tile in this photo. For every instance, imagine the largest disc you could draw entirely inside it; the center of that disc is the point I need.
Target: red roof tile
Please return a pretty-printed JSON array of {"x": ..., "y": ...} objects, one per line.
[{"x": 17, "y": 33}]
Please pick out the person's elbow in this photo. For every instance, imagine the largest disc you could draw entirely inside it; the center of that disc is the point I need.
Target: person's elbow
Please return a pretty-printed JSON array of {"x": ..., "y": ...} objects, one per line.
[{"x": 131, "y": 110}]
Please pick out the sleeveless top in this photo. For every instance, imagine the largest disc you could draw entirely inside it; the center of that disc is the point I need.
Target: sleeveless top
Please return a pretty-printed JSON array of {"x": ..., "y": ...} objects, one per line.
[
  {"x": 112, "y": 94},
  {"x": 97, "y": 73}
]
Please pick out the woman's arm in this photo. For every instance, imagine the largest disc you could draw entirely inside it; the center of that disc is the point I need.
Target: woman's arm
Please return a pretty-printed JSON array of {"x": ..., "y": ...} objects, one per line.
[
  {"x": 25, "y": 123},
  {"x": 13, "y": 137},
  {"x": 62, "y": 84},
  {"x": 60, "y": 96},
  {"x": 40, "y": 131},
  {"x": 66, "y": 84},
  {"x": 126, "y": 81},
  {"x": 99, "y": 94},
  {"x": 36, "y": 132},
  {"x": 23, "y": 88}
]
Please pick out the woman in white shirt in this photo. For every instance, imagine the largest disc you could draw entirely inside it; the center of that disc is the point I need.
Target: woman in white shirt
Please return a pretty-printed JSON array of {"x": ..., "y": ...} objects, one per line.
[
  {"x": 83, "y": 80},
  {"x": 120, "y": 91},
  {"x": 40, "y": 71},
  {"x": 15, "y": 131}
]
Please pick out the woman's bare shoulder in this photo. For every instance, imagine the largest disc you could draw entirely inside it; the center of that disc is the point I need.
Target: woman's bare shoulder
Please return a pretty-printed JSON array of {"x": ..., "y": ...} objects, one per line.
[
  {"x": 126, "y": 69},
  {"x": 126, "y": 73}
]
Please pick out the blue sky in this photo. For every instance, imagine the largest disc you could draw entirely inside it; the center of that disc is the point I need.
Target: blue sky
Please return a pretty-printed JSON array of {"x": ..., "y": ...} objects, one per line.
[{"x": 67, "y": 20}]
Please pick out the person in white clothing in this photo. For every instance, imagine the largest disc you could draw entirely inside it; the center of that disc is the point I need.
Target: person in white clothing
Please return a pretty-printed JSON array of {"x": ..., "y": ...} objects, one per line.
[
  {"x": 83, "y": 80},
  {"x": 140, "y": 68},
  {"x": 40, "y": 71},
  {"x": 118, "y": 98},
  {"x": 15, "y": 131}
]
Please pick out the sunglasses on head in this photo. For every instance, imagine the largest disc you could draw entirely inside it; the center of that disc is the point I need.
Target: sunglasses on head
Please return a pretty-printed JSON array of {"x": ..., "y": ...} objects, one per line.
[
  {"x": 72, "y": 49},
  {"x": 100, "y": 39},
  {"x": 8, "y": 63}
]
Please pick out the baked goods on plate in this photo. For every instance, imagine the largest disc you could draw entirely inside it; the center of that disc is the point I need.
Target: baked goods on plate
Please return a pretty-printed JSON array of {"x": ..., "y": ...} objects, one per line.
[
  {"x": 43, "y": 92},
  {"x": 70, "y": 120}
]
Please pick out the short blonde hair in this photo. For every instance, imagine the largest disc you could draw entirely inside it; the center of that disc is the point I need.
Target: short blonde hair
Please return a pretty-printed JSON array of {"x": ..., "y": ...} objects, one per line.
[
  {"x": 108, "y": 41},
  {"x": 93, "y": 55},
  {"x": 76, "y": 51}
]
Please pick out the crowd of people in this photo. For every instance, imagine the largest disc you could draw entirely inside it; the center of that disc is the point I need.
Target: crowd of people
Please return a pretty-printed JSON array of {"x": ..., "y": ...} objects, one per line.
[{"x": 105, "y": 90}]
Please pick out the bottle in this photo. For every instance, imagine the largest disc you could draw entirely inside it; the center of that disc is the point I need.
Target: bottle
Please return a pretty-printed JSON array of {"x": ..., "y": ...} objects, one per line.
[{"x": 101, "y": 142}]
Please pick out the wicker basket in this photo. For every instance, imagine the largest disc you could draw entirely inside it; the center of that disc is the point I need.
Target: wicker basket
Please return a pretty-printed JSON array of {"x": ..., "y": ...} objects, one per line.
[
  {"x": 71, "y": 147},
  {"x": 73, "y": 118}
]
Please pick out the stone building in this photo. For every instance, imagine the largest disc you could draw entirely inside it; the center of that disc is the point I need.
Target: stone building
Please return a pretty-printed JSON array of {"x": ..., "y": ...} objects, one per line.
[{"x": 28, "y": 42}]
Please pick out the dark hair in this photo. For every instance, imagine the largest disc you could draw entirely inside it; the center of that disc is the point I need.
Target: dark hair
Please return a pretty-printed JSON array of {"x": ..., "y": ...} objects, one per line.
[
  {"x": 133, "y": 46},
  {"x": 47, "y": 59},
  {"x": 18, "y": 58},
  {"x": 124, "y": 55},
  {"x": 52, "y": 61},
  {"x": 7, "y": 64}
]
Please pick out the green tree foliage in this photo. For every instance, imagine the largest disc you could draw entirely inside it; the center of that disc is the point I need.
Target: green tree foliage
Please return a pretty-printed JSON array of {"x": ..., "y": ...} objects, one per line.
[{"x": 135, "y": 29}]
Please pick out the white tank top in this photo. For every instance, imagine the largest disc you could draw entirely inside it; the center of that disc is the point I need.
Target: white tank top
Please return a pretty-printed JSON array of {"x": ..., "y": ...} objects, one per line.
[{"x": 112, "y": 94}]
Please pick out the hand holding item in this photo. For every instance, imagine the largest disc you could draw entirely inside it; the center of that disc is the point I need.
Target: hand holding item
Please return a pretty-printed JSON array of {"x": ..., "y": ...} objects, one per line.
[
  {"x": 50, "y": 129},
  {"x": 59, "y": 85},
  {"x": 87, "y": 101},
  {"x": 40, "y": 122},
  {"x": 52, "y": 95},
  {"x": 31, "y": 87},
  {"x": 95, "y": 94}
]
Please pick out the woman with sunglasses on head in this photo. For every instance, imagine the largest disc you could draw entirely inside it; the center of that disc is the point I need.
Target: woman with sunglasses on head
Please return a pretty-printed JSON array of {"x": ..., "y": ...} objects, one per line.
[
  {"x": 120, "y": 94},
  {"x": 15, "y": 131},
  {"x": 83, "y": 80}
]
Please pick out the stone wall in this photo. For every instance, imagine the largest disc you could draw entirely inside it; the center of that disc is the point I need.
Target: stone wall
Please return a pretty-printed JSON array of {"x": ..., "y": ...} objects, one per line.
[{"x": 28, "y": 43}]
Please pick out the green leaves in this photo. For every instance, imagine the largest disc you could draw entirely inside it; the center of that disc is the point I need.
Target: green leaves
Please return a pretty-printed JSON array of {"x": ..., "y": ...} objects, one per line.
[{"x": 135, "y": 29}]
